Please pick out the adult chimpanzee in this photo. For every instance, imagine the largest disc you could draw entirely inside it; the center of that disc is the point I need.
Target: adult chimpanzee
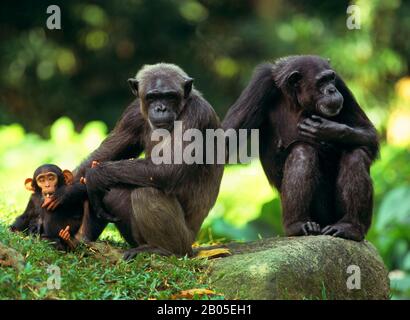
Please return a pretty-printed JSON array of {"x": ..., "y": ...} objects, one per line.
[
  {"x": 157, "y": 208},
  {"x": 316, "y": 145},
  {"x": 60, "y": 225}
]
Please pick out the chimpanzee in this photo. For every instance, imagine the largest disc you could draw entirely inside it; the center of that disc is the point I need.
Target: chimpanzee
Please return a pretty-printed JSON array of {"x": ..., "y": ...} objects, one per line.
[
  {"x": 316, "y": 145},
  {"x": 157, "y": 207},
  {"x": 60, "y": 224}
]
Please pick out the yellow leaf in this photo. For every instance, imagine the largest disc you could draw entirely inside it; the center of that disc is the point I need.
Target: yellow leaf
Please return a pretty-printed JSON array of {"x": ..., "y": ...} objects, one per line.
[
  {"x": 213, "y": 253},
  {"x": 189, "y": 294}
]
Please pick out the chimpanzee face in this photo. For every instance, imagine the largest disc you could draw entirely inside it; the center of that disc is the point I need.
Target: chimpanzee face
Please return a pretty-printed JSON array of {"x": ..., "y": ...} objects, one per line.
[
  {"x": 329, "y": 101},
  {"x": 163, "y": 104},
  {"x": 314, "y": 86},
  {"x": 47, "y": 182},
  {"x": 47, "y": 179},
  {"x": 162, "y": 97}
]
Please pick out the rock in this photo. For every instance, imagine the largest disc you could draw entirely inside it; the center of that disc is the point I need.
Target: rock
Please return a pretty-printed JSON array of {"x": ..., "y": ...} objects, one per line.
[
  {"x": 11, "y": 258},
  {"x": 313, "y": 267},
  {"x": 105, "y": 252}
]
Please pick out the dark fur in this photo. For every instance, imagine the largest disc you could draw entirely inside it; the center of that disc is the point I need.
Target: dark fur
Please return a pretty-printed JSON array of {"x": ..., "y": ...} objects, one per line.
[
  {"x": 157, "y": 208},
  {"x": 38, "y": 220},
  {"x": 321, "y": 181}
]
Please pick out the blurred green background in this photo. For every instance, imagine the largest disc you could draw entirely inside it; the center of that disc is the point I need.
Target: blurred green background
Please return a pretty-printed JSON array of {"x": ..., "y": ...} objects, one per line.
[{"x": 61, "y": 91}]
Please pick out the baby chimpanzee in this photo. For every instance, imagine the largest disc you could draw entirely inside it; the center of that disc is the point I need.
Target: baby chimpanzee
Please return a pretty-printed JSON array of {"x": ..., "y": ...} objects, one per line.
[{"x": 56, "y": 222}]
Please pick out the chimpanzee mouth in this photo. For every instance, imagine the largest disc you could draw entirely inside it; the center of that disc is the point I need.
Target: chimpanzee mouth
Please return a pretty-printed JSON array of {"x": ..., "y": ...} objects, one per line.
[
  {"x": 48, "y": 194},
  {"x": 329, "y": 112},
  {"x": 163, "y": 125}
]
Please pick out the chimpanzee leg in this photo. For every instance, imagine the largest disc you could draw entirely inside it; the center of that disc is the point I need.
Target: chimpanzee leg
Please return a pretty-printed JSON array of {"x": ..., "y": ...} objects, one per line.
[
  {"x": 91, "y": 226},
  {"x": 300, "y": 178},
  {"x": 159, "y": 224},
  {"x": 354, "y": 197},
  {"x": 118, "y": 203}
]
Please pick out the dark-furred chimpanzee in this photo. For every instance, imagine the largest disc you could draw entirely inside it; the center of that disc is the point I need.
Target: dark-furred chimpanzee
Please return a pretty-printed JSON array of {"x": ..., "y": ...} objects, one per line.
[
  {"x": 316, "y": 145},
  {"x": 156, "y": 207},
  {"x": 61, "y": 224}
]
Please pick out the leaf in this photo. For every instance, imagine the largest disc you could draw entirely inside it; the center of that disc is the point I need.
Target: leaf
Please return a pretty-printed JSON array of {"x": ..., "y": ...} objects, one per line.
[
  {"x": 213, "y": 253},
  {"x": 189, "y": 294},
  {"x": 395, "y": 208}
]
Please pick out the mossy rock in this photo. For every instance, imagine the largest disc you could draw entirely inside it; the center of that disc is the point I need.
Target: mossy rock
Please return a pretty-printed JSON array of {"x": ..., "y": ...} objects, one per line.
[{"x": 313, "y": 267}]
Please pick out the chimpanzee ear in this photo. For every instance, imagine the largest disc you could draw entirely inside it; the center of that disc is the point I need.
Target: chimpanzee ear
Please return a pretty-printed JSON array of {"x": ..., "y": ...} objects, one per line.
[
  {"x": 28, "y": 184},
  {"x": 188, "y": 86},
  {"x": 68, "y": 177},
  {"x": 134, "y": 85},
  {"x": 293, "y": 79}
]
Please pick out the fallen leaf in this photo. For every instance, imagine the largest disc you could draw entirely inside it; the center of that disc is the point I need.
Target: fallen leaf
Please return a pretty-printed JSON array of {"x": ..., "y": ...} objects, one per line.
[
  {"x": 213, "y": 253},
  {"x": 189, "y": 294}
]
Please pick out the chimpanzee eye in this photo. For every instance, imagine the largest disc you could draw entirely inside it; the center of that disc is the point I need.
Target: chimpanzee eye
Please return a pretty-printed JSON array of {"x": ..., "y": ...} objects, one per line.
[
  {"x": 331, "y": 77},
  {"x": 173, "y": 98},
  {"x": 149, "y": 98},
  {"x": 321, "y": 82}
]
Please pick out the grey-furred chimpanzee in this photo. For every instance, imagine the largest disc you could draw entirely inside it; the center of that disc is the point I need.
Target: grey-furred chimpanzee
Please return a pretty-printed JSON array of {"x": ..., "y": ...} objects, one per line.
[
  {"x": 316, "y": 145},
  {"x": 61, "y": 224},
  {"x": 157, "y": 207}
]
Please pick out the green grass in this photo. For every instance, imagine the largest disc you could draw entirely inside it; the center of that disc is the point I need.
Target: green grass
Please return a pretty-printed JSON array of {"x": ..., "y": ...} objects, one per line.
[{"x": 95, "y": 274}]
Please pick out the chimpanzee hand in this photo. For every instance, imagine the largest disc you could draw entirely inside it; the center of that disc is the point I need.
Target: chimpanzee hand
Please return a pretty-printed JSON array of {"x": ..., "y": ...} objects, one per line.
[
  {"x": 51, "y": 203},
  {"x": 66, "y": 195},
  {"x": 322, "y": 129},
  {"x": 94, "y": 164},
  {"x": 65, "y": 233}
]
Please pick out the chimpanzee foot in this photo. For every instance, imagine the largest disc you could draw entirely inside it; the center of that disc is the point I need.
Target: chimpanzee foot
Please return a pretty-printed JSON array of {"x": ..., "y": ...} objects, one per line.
[
  {"x": 302, "y": 228},
  {"x": 311, "y": 228},
  {"x": 343, "y": 230},
  {"x": 131, "y": 253}
]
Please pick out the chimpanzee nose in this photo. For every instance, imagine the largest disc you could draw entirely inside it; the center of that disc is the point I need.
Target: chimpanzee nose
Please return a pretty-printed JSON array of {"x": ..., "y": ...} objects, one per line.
[{"x": 160, "y": 108}]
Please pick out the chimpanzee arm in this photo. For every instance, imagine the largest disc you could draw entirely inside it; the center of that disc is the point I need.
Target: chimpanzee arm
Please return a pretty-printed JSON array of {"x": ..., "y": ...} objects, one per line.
[
  {"x": 248, "y": 111},
  {"x": 144, "y": 172},
  {"x": 357, "y": 136},
  {"x": 328, "y": 130},
  {"x": 136, "y": 172},
  {"x": 22, "y": 221},
  {"x": 352, "y": 128},
  {"x": 67, "y": 195},
  {"x": 123, "y": 142}
]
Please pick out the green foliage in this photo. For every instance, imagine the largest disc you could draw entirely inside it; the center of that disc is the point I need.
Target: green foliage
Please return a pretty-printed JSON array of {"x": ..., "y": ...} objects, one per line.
[
  {"x": 85, "y": 275},
  {"x": 247, "y": 207},
  {"x": 22, "y": 153},
  {"x": 80, "y": 73}
]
